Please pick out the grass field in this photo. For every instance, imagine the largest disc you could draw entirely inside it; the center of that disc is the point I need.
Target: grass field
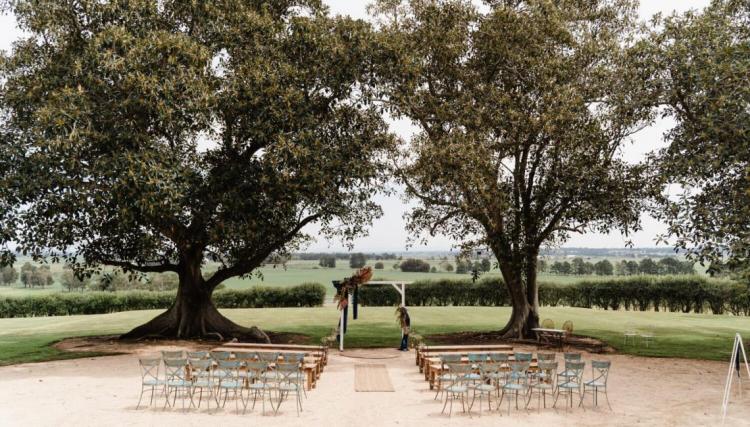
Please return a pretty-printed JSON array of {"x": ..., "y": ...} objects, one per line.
[{"x": 695, "y": 336}]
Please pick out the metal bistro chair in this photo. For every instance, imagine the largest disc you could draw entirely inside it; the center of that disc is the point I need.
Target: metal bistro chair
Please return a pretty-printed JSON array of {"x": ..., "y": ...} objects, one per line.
[
  {"x": 260, "y": 386},
  {"x": 298, "y": 358},
  {"x": 502, "y": 375},
  {"x": 150, "y": 378},
  {"x": 443, "y": 376},
  {"x": 229, "y": 380},
  {"x": 200, "y": 372},
  {"x": 489, "y": 373},
  {"x": 568, "y": 357},
  {"x": 600, "y": 374},
  {"x": 629, "y": 334},
  {"x": 176, "y": 380},
  {"x": 518, "y": 382},
  {"x": 545, "y": 383},
  {"x": 572, "y": 383},
  {"x": 458, "y": 387},
  {"x": 289, "y": 379}
]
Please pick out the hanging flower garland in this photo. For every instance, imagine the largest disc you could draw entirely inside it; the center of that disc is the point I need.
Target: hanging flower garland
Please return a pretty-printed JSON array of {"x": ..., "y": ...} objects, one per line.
[{"x": 361, "y": 277}]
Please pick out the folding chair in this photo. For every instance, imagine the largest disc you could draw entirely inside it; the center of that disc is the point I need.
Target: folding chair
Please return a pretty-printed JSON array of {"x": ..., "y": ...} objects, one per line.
[
  {"x": 489, "y": 373},
  {"x": 445, "y": 377},
  {"x": 289, "y": 379},
  {"x": 229, "y": 380},
  {"x": 545, "y": 383},
  {"x": 150, "y": 378},
  {"x": 458, "y": 387},
  {"x": 260, "y": 386},
  {"x": 200, "y": 373},
  {"x": 176, "y": 380},
  {"x": 518, "y": 381},
  {"x": 571, "y": 383},
  {"x": 600, "y": 374}
]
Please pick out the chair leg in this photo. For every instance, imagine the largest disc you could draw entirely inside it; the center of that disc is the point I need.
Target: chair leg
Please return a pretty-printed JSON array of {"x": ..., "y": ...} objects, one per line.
[{"x": 141, "y": 397}]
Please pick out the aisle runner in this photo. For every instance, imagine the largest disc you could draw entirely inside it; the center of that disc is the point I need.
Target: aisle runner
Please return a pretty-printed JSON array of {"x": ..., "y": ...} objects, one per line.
[{"x": 372, "y": 378}]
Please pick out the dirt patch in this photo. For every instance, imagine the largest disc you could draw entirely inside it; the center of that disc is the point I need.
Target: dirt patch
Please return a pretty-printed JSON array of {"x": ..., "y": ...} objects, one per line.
[
  {"x": 111, "y": 344},
  {"x": 577, "y": 342}
]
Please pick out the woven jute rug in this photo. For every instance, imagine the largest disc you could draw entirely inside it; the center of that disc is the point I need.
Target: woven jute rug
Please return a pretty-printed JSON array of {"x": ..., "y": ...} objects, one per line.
[{"x": 372, "y": 377}]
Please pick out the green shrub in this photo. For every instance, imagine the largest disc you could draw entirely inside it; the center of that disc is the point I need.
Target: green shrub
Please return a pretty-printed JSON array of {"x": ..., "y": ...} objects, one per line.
[
  {"x": 671, "y": 293},
  {"x": 65, "y": 304}
]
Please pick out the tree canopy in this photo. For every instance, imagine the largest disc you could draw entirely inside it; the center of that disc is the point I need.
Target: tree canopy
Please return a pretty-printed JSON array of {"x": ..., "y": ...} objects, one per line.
[
  {"x": 521, "y": 112},
  {"x": 702, "y": 76},
  {"x": 154, "y": 136}
]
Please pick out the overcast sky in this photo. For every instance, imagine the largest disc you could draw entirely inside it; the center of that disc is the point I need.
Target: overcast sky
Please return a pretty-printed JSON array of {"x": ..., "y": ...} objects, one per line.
[{"x": 388, "y": 234}]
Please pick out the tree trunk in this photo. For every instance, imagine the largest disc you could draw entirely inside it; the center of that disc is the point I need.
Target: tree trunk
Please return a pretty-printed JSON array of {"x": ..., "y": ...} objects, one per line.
[
  {"x": 520, "y": 279},
  {"x": 193, "y": 315}
]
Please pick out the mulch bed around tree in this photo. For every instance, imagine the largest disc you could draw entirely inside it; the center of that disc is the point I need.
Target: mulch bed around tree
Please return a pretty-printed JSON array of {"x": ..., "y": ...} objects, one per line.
[
  {"x": 578, "y": 342},
  {"x": 112, "y": 345}
]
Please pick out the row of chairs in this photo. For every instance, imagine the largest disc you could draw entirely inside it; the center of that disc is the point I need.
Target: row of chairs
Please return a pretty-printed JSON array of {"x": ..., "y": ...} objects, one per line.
[
  {"x": 495, "y": 373},
  {"x": 260, "y": 375}
]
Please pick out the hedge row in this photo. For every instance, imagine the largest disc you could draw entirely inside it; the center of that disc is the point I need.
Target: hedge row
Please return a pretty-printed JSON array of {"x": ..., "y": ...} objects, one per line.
[
  {"x": 671, "y": 293},
  {"x": 64, "y": 304}
]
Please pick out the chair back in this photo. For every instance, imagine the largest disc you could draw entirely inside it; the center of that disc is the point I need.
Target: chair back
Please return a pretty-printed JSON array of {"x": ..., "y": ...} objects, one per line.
[
  {"x": 200, "y": 365},
  {"x": 150, "y": 369},
  {"x": 548, "y": 324},
  {"x": 175, "y": 369},
  {"x": 446, "y": 359},
  {"x": 568, "y": 327},
  {"x": 548, "y": 369},
  {"x": 178, "y": 354},
  {"x": 288, "y": 372},
  {"x": 293, "y": 357},
  {"x": 460, "y": 372},
  {"x": 245, "y": 355},
  {"x": 228, "y": 369},
  {"x": 546, "y": 357},
  {"x": 197, "y": 355},
  {"x": 499, "y": 357},
  {"x": 575, "y": 371},
  {"x": 221, "y": 355},
  {"x": 518, "y": 372},
  {"x": 572, "y": 357},
  {"x": 477, "y": 357},
  {"x": 522, "y": 357},
  {"x": 489, "y": 370},
  {"x": 257, "y": 369},
  {"x": 268, "y": 357},
  {"x": 600, "y": 371}
]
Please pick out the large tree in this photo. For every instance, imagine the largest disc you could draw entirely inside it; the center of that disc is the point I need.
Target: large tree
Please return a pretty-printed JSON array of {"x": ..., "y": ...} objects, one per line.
[
  {"x": 704, "y": 81},
  {"x": 522, "y": 109},
  {"x": 156, "y": 136}
]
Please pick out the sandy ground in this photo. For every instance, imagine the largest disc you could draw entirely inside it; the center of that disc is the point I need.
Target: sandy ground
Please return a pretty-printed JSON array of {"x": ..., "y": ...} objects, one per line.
[{"x": 103, "y": 391}]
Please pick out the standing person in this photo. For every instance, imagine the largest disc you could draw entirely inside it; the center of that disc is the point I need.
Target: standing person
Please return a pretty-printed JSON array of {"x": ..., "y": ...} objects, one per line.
[{"x": 405, "y": 321}]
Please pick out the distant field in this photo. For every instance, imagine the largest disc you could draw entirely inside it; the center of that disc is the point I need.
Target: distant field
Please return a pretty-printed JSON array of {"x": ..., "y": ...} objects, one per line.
[
  {"x": 694, "y": 336},
  {"x": 298, "y": 271}
]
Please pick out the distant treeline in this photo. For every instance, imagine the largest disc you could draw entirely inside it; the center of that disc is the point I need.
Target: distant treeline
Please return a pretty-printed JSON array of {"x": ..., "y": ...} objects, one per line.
[
  {"x": 315, "y": 256},
  {"x": 581, "y": 267}
]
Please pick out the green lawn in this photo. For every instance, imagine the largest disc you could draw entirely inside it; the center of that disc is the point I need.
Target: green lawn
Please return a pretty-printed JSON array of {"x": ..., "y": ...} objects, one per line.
[{"x": 678, "y": 335}]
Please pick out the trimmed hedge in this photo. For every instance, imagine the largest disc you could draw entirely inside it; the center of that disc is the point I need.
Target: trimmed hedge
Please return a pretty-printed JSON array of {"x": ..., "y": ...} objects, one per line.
[
  {"x": 65, "y": 304},
  {"x": 665, "y": 293}
]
